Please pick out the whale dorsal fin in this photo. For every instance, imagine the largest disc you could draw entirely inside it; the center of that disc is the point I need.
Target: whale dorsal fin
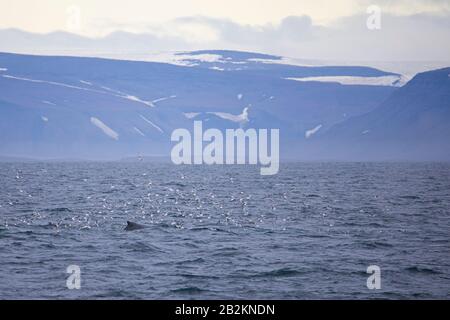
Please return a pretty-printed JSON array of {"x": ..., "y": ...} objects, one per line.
[{"x": 133, "y": 226}]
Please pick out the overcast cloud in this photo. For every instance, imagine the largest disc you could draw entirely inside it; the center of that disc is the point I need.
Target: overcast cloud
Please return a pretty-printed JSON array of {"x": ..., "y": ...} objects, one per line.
[{"x": 331, "y": 30}]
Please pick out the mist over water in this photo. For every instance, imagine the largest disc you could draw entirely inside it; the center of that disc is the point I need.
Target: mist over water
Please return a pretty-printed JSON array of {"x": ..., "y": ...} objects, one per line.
[{"x": 224, "y": 232}]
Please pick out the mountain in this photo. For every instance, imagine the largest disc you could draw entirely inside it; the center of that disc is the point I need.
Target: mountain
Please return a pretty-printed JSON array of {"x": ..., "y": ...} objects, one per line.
[
  {"x": 72, "y": 107},
  {"x": 413, "y": 123},
  {"x": 65, "y": 43}
]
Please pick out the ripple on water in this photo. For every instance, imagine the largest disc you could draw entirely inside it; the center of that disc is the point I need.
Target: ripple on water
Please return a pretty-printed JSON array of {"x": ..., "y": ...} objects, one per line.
[
  {"x": 57, "y": 210},
  {"x": 424, "y": 270},
  {"x": 189, "y": 290},
  {"x": 141, "y": 246},
  {"x": 278, "y": 273}
]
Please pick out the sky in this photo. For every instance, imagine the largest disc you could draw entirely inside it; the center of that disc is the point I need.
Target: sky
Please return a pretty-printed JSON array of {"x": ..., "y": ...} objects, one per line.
[
  {"x": 323, "y": 29},
  {"x": 100, "y": 17}
]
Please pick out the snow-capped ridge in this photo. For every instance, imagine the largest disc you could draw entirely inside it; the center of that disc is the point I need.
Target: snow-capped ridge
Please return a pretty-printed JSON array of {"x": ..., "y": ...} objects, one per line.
[
  {"x": 391, "y": 80},
  {"x": 105, "y": 129}
]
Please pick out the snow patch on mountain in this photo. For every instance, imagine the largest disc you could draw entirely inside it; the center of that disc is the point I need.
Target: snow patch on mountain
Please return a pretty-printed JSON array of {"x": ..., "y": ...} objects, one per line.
[
  {"x": 313, "y": 131},
  {"x": 284, "y": 61},
  {"x": 395, "y": 81},
  {"x": 241, "y": 118},
  {"x": 191, "y": 115},
  {"x": 184, "y": 59},
  {"x": 86, "y": 82},
  {"x": 115, "y": 93},
  {"x": 7, "y": 76},
  {"x": 113, "y": 90},
  {"x": 206, "y": 57},
  {"x": 217, "y": 68},
  {"x": 105, "y": 129},
  {"x": 136, "y": 99},
  {"x": 151, "y": 123},
  {"x": 163, "y": 99},
  {"x": 139, "y": 131},
  {"x": 127, "y": 96}
]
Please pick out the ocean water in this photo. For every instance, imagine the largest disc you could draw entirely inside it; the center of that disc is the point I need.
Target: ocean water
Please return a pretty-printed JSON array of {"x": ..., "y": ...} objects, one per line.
[{"x": 224, "y": 232}]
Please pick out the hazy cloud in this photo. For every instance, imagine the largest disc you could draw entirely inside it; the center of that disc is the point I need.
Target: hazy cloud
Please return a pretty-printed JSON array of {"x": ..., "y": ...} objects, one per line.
[{"x": 407, "y": 37}]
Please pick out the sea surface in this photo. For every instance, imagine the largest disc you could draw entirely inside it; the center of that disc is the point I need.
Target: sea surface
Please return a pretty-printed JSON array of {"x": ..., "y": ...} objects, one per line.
[{"x": 224, "y": 232}]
